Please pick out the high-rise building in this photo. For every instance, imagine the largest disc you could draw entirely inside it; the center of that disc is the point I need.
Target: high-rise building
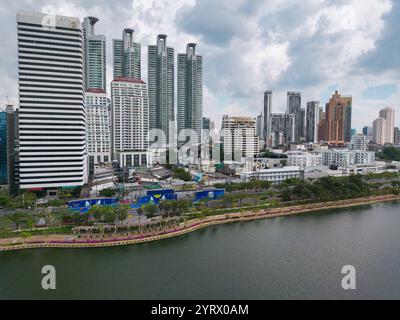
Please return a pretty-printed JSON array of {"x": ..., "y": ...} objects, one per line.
[
  {"x": 129, "y": 115},
  {"x": 338, "y": 119},
  {"x": 127, "y": 56},
  {"x": 3, "y": 151},
  {"x": 388, "y": 114},
  {"x": 282, "y": 129},
  {"x": 313, "y": 113},
  {"x": 161, "y": 70},
  {"x": 322, "y": 127},
  {"x": 190, "y": 93},
  {"x": 239, "y": 137},
  {"x": 98, "y": 126},
  {"x": 9, "y": 149},
  {"x": 206, "y": 123},
  {"x": 303, "y": 123},
  {"x": 367, "y": 131},
  {"x": 266, "y": 125},
  {"x": 359, "y": 142},
  {"x": 379, "y": 131},
  {"x": 95, "y": 56},
  {"x": 260, "y": 127},
  {"x": 52, "y": 120},
  {"x": 294, "y": 107},
  {"x": 396, "y": 135}
]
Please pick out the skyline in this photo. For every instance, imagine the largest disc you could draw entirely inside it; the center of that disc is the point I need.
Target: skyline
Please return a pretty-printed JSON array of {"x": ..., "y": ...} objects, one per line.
[{"x": 223, "y": 93}]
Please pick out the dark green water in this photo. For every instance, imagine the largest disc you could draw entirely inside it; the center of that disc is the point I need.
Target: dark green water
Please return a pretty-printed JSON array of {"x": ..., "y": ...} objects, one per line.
[{"x": 298, "y": 257}]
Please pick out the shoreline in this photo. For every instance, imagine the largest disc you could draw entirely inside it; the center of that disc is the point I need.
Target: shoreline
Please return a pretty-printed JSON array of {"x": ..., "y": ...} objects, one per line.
[{"x": 190, "y": 226}]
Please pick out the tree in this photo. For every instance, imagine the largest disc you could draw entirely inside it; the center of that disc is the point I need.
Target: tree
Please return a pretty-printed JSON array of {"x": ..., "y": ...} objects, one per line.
[
  {"x": 183, "y": 206},
  {"x": 390, "y": 153},
  {"x": 181, "y": 174},
  {"x": 109, "y": 215},
  {"x": 122, "y": 213},
  {"x": 108, "y": 193},
  {"x": 150, "y": 210},
  {"x": 76, "y": 217},
  {"x": 4, "y": 198},
  {"x": 97, "y": 212}
]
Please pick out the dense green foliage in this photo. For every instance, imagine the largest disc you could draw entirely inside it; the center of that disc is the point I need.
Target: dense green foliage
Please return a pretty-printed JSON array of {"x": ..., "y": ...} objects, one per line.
[
  {"x": 22, "y": 201},
  {"x": 326, "y": 188},
  {"x": 108, "y": 193},
  {"x": 242, "y": 186},
  {"x": 181, "y": 174},
  {"x": 390, "y": 153}
]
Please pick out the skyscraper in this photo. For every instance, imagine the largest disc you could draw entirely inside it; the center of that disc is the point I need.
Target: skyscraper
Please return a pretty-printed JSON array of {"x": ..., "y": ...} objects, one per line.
[
  {"x": 338, "y": 119},
  {"x": 130, "y": 119},
  {"x": 239, "y": 137},
  {"x": 388, "y": 114},
  {"x": 206, "y": 123},
  {"x": 98, "y": 126},
  {"x": 127, "y": 56},
  {"x": 313, "y": 114},
  {"x": 161, "y": 70},
  {"x": 396, "y": 135},
  {"x": 190, "y": 92},
  {"x": 294, "y": 107},
  {"x": 52, "y": 121},
  {"x": 367, "y": 131},
  {"x": 3, "y": 150},
  {"x": 303, "y": 122},
  {"x": 379, "y": 131},
  {"x": 95, "y": 56},
  {"x": 267, "y": 115},
  {"x": 282, "y": 129}
]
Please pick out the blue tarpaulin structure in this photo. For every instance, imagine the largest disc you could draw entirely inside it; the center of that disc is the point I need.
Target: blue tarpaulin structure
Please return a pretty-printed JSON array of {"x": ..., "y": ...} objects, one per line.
[
  {"x": 85, "y": 204},
  {"x": 154, "y": 197},
  {"x": 213, "y": 194}
]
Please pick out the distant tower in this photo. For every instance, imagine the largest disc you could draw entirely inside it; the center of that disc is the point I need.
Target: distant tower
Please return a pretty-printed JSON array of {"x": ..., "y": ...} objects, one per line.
[
  {"x": 95, "y": 56},
  {"x": 388, "y": 114},
  {"x": 161, "y": 70},
  {"x": 266, "y": 127},
  {"x": 127, "y": 57},
  {"x": 313, "y": 113},
  {"x": 338, "y": 119},
  {"x": 190, "y": 92},
  {"x": 379, "y": 131},
  {"x": 294, "y": 107}
]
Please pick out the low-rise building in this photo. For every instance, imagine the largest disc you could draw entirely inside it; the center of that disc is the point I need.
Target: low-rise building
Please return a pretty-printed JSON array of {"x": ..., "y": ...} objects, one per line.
[
  {"x": 304, "y": 159},
  {"x": 274, "y": 175},
  {"x": 344, "y": 158}
]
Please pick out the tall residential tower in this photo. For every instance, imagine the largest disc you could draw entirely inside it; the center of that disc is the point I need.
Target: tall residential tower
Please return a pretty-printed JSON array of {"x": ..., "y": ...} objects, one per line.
[
  {"x": 161, "y": 70},
  {"x": 294, "y": 107},
  {"x": 190, "y": 92},
  {"x": 312, "y": 121},
  {"x": 127, "y": 56},
  {"x": 94, "y": 56}
]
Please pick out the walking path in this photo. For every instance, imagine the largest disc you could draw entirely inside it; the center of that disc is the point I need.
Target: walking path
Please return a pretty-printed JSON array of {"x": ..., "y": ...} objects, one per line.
[{"x": 69, "y": 241}]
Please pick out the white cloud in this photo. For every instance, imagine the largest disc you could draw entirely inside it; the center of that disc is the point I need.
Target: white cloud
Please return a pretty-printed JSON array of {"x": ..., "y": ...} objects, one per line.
[{"x": 248, "y": 46}]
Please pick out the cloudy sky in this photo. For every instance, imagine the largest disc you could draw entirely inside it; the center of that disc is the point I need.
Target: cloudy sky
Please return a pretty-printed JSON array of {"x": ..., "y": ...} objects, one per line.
[{"x": 249, "y": 46}]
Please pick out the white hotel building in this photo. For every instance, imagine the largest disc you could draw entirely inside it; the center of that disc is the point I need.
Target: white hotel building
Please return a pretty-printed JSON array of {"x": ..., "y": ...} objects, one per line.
[
  {"x": 130, "y": 122},
  {"x": 52, "y": 115}
]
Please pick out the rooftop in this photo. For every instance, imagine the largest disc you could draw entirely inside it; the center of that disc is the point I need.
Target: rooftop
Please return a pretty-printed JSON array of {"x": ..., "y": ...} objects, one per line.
[{"x": 131, "y": 80}]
